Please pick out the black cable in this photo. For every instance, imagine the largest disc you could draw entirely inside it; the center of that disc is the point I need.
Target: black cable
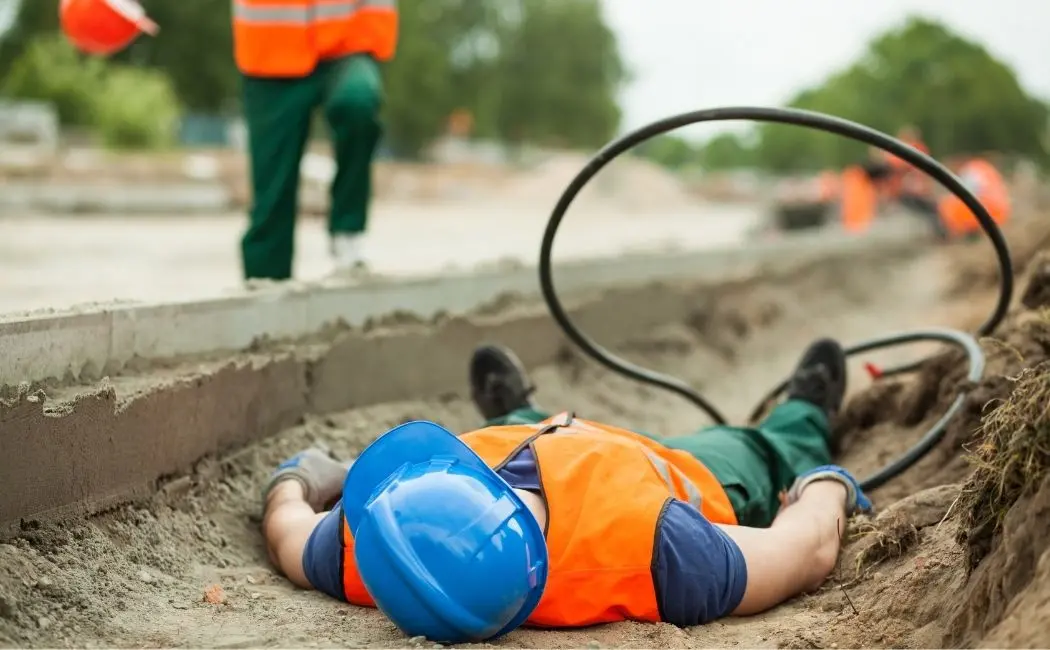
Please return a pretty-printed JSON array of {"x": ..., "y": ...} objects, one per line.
[{"x": 820, "y": 122}]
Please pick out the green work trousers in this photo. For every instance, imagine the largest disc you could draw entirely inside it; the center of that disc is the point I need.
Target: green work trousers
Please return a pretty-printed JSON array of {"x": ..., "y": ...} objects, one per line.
[
  {"x": 753, "y": 464},
  {"x": 278, "y": 113}
]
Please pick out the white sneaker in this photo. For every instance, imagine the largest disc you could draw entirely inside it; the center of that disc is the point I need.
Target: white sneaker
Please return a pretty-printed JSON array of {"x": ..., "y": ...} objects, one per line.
[{"x": 348, "y": 252}]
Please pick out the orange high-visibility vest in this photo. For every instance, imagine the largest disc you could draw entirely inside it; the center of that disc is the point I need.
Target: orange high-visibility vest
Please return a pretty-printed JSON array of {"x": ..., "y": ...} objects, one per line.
[
  {"x": 859, "y": 200},
  {"x": 605, "y": 489},
  {"x": 286, "y": 38},
  {"x": 991, "y": 191}
]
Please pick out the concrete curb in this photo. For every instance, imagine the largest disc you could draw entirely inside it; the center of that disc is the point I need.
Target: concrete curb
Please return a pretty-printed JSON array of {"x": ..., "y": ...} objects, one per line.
[
  {"x": 74, "y": 458},
  {"x": 99, "y": 340}
]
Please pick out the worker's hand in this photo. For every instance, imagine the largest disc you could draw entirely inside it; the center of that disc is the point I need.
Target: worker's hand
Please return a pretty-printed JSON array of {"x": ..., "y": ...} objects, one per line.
[
  {"x": 856, "y": 501},
  {"x": 320, "y": 474}
]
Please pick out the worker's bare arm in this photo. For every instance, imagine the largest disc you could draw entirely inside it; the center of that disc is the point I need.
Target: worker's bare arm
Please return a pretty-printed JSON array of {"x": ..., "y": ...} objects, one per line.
[
  {"x": 797, "y": 553},
  {"x": 298, "y": 496},
  {"x": 288, "y": 522}
]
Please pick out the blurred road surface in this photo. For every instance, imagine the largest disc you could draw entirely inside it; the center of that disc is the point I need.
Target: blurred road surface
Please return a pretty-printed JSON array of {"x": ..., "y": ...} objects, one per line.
[{"x": 51, "y": 261}]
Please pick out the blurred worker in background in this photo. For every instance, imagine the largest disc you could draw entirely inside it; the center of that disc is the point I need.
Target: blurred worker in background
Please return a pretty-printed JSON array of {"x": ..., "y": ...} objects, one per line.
[
  {"x": 886, "y": 178},
  {"x": 563, "y": 522},
  {"x": 910, "y": 186},
  {"x": 982, "y": 178},
  {"x": 899, "y": 168},
  {"x": 296, "y": 56},
  {"x": 861, "y": 187}
]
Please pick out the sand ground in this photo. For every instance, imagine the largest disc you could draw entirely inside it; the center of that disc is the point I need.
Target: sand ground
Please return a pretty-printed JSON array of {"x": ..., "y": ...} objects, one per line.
[{"x": 135, "y": 576}]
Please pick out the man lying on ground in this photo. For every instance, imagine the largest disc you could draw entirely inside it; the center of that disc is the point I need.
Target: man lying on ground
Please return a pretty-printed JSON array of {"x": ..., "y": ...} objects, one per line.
[{"x": 563, "y": 522}]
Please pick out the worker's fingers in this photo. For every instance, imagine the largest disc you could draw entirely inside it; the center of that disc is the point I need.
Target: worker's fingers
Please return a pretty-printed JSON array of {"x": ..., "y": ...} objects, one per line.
[{"x": 148, "y": 26}]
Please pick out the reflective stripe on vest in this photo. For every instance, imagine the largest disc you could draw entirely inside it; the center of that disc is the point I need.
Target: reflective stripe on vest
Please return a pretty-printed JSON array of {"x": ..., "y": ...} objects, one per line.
[
  {"x": 296, "y": 14},
  {"x": 288, "y": 38},
  {"x": 669, "y": 473}
]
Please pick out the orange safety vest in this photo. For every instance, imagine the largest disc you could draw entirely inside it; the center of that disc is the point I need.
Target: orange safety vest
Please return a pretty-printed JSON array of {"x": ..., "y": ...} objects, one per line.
[
  {"x": 605, "y": 489},
  {"x": 287, "y": 38},
  {"x": 859, "y": 199},
  {"x": 991, "y": 191}
]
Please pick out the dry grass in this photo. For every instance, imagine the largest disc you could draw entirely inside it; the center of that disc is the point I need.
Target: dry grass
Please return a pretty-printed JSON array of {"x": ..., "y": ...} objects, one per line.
[
  {"x": 1011, "y": 457},
  {"x": 881, "y": 540}
]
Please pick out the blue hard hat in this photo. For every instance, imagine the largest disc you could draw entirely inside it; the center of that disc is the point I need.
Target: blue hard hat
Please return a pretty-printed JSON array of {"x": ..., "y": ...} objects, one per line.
[{"x": 444, "y": 546}]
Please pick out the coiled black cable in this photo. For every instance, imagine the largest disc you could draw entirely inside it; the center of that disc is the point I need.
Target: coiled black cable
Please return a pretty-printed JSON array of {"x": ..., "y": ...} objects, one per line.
[{"x": 819, "y": 122}]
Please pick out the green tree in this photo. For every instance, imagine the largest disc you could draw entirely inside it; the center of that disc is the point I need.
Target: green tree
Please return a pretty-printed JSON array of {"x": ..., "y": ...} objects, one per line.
[
  {"x": 727, "y": 151},
  {"x": 474, "y": 34},
  {"x": 193, "y": 48},
  {"x": 962, "y": 98},
  {"x": 559, "y": 75},
  {"x": 670, "y": 151},
  {"x": 482, "y": 57},
  {"x": 50, "y": 70},
  {"x": 124, "y": 105},
  {"x": 418, "y": 98},
  {"x": 35, "y": 17},
  {"x": 448, "y": 58},
  {"x": 136, "y": 108}
]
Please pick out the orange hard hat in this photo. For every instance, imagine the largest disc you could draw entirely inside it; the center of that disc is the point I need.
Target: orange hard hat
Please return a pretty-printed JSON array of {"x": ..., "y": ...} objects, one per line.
[{"x": 103, "y": 26}]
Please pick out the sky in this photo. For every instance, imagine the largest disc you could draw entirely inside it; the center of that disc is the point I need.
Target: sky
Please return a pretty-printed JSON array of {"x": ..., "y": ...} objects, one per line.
[
  {"x": 7, "y": 14},
  {"x": 690, "y": 54}
]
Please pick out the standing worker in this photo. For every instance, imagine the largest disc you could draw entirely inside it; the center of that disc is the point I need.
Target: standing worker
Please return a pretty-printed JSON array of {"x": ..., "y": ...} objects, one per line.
[
  {"x": 912, "y": 188},
  {"x": 296, "y": 56}
]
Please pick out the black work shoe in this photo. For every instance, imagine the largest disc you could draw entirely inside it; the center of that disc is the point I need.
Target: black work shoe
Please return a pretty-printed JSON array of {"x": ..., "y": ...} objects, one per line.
[
  {"x": 820, "y": 377},
  {"x": 498, "y": 382}
]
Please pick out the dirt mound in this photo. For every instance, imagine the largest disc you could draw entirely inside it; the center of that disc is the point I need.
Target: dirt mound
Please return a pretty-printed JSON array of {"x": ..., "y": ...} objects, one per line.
[
  {"x": 980, "y": 272},
  {"x": 965, "y": 561},
  {"x": 1005, "y": 523}
]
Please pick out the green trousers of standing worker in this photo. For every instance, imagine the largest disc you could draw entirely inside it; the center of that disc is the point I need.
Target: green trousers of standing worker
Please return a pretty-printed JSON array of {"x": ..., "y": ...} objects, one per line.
[
  {"x": 753, "y": 464},
  {"x": 278, "y": 113}
]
